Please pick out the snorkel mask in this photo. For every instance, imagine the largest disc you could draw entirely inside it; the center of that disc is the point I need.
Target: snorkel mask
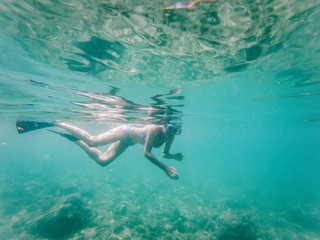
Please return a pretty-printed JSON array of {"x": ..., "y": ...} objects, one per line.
[{"x": 174, "y": 129}]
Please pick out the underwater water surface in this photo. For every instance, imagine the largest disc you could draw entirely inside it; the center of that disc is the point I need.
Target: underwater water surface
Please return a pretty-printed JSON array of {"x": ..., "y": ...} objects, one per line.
[{"x": 241, "y": 77}]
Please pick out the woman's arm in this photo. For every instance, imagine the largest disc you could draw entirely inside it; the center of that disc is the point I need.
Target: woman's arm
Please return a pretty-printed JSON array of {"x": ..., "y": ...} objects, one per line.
[
  {"x": 151, "y": 135},
  {"x": 167, "y": 155}
]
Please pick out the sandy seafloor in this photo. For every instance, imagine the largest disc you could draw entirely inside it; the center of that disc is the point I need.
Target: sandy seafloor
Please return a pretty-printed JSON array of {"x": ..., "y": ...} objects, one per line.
[{"x": 147, "y": 211}]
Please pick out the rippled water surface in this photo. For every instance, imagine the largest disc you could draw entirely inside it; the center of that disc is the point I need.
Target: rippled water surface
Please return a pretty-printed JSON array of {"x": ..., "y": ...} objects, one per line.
[{"x": 242, "y": 77}]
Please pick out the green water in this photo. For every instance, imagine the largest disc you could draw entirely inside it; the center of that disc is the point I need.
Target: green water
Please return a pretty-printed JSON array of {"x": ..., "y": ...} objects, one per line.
[{"x": 242, "y": 77}]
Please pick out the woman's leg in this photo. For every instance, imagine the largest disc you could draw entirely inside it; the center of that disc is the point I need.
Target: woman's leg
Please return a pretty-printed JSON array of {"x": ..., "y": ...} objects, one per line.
[
  {"x": 111, "y": 136},
  {"x": 103, "y": 159}
]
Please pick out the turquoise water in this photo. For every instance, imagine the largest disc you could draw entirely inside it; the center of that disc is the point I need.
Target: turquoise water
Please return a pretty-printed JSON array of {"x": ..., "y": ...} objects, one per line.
[{"x": 242, "y": 77}]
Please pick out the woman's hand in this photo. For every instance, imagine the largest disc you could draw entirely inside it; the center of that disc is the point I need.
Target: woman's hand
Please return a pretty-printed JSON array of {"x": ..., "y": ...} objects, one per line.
[
  {"x": 178, "y": 156},
  {"x": 172, "y": 173}
]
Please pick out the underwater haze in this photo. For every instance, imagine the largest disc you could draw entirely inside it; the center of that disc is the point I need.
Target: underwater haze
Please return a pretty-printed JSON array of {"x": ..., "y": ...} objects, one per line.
[{"x": 241, "y": 77}]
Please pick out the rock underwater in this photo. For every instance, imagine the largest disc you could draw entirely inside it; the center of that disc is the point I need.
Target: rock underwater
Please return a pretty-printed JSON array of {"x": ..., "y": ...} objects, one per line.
[{"x": 63, "y": 220}]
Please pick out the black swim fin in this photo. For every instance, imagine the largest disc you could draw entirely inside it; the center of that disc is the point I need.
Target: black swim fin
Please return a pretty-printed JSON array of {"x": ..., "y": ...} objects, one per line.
[
  {"x": 66, "y": 135},
  {"x": 28, "y": 126}
]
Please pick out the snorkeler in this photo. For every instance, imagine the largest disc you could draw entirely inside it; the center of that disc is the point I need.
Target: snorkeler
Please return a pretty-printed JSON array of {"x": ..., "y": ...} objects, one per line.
[
  {"x": 190, "y": 5},
  {"x": 120, "y": 138}
]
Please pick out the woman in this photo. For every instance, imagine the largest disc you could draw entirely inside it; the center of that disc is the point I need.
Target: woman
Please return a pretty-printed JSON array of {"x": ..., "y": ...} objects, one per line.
[{"x": 120, "y": 138}]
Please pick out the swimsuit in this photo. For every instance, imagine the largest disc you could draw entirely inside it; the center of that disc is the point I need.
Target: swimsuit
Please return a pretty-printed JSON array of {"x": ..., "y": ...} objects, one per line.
[
  {"x": 155, "y": 146},
  {"x": 128, "y": 141}
]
